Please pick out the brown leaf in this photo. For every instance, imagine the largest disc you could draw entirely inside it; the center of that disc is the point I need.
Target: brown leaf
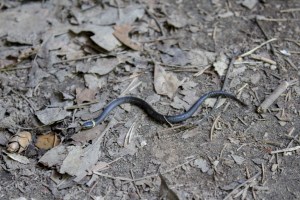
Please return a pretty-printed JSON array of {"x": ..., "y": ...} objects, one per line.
[
  {"x": 165, "y": 83},
  {"x": 47, "y": 141},
  {"x": 122, "y": 34},
  {"x": 19, "y": 142},
  {"x": 84, "y": 95}
]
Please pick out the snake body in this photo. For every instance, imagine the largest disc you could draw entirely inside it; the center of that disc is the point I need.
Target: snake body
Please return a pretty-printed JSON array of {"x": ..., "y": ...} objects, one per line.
[{"x": 153, "y": 113}]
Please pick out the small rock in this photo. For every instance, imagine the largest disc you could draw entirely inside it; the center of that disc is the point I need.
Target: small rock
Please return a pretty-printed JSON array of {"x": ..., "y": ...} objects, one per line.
[
  {"x": 201, "y": 164},
  {"x": 274, "y": 167},
  {"x": 255, "y": 78},
  {"x": 249, "y": 3},
  {"x": 273, "y": 67},
  {"x": 238, "y": 159}
]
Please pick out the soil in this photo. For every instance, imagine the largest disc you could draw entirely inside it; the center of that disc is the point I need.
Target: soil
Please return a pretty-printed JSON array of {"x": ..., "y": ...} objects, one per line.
[{"x": 63, "y": 61}]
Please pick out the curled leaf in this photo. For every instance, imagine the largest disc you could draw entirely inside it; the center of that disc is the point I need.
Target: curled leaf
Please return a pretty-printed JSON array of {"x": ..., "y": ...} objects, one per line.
[
  {"x": 47, "y": 141},
  {"x": 19, "y": 142}
]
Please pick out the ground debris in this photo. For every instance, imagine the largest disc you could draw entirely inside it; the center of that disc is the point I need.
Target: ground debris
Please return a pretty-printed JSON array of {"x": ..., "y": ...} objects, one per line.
[
  {"x": 165, "y": 83},
  {"x": 51, "y": 115}
]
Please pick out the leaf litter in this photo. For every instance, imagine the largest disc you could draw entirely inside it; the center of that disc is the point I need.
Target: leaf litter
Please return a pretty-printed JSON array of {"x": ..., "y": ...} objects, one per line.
[{"x": 53, "y": 71}]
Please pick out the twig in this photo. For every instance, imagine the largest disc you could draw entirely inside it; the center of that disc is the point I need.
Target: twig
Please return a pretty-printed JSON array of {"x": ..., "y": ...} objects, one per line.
[
  {"x": 264, "y": 59},
  {"x": 156, "y": 21},
  {"x": 263, "y": 18},
  {"x": 241, "y": 185},
  {"x": 129, "y": 134},
  {"x": 213, "y": 127},
  {"x": 27, "y": 100},
  {"x": 137, "y": 190},
  {"x": 131, "y": 86},
  {"x": 145, "y": 177},
  {"x": 259, "y": 46},
  {"x": 294, "y": 41},
  {"x": 14, "y": 68},
  {"x": 87, "y": 57},
  {"x": 263, "y": 172},
  {"x": 272, "y": 97},
  {"x": 81, "y": 105},
  {"x": 160, "y": 39},
  {"x": 286, "y": 150},
  {"x": 290, "y": 63},
  {"x": 290, "y": 10}
]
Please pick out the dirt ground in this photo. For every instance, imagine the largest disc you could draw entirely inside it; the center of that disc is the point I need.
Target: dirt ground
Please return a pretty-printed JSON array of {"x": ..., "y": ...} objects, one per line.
[{"x": 62, "y": 62}]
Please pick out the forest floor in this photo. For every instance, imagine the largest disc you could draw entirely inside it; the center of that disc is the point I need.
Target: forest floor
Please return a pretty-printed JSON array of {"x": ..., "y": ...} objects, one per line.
[{"x": 62, "y": 62}]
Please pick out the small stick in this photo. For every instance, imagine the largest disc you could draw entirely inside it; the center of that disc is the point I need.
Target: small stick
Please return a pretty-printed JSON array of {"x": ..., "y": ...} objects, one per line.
[
  {"x": 264, "y": 59},
  {"x": 290, "y": 10},
  {"x": 290, "y": 63},
  {"x": 213, "y": 127},
  {"x": 272, "y": 97},
  {"x": 263, "y": 172},
  {"x": 13, "y": 68},
  {"x": 286, "y": 150},
  {"x": 156, "y": 21},
  {"x": 262, "y": 18},
  {"x": 241, "y": 185},
  {"x": 145, "y": 177},
  {"x": 259, "y": 46},
  {"x": 136, "y": 188},
  {"x": 81, "y": 105},
  {"x": 129, "y": 134}
]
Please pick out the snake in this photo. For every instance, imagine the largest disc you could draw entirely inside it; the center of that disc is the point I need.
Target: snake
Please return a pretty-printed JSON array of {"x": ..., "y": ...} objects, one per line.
[{"x": 152, "y": 113}]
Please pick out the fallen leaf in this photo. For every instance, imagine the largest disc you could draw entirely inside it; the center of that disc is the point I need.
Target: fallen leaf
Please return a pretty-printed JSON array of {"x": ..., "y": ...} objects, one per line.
[
  {"x": 51, "y": 115},
  {"x": 54, "y": 156},
  {"x": 93, "y": 81},
  {"x": 210, "y": 102},
  {"x": 26, "y": 26},
  {"x": 103, "y": 66},
  {"x": 103, "y": 36},
  {"x": 201, "y": 164},
  {"x": 201, "y": 58},
  {"x": 87, "y": 135},
  {"x": 19, "y": 142},
  {"x": 19, "y": 158},
  {"x": 175, "y": 56},
  {"x": 109, "y": 16},
  {"x": 238, "y": 159},
  {"x": 47, "y": 141},
  {"x": 122, "y": 34},
  {"x": 179, "y": 104},
  {"x": 177, "y": 20},
  {"x": 80, "y": 160},
  {"x": 221, "y": 65},
  {"x": 85, "y": 95},
  {"x": 165, "y": 83}
]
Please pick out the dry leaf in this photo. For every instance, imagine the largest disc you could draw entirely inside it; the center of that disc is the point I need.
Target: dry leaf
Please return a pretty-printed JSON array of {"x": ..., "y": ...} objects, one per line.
[
  {"x": 47, "y": 141},
  {"x": 19, "y": 158},
  {"x": 54, "y": 157},
  {"x": 165, "y": 83},
  {"x": 103, "y": 66},
  {"x": 221, "y": 65},
  {"x": 122, "y": 34},
  {"x": 85, "y": 95},
  {"x": 19, "y": 142},
  {"x": 103, "y": 35},
  {"x": 51, "y": 115}
]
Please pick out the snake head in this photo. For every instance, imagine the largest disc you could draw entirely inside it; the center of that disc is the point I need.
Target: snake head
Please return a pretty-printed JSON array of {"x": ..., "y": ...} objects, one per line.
[{"x": 89, "y": 124}]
